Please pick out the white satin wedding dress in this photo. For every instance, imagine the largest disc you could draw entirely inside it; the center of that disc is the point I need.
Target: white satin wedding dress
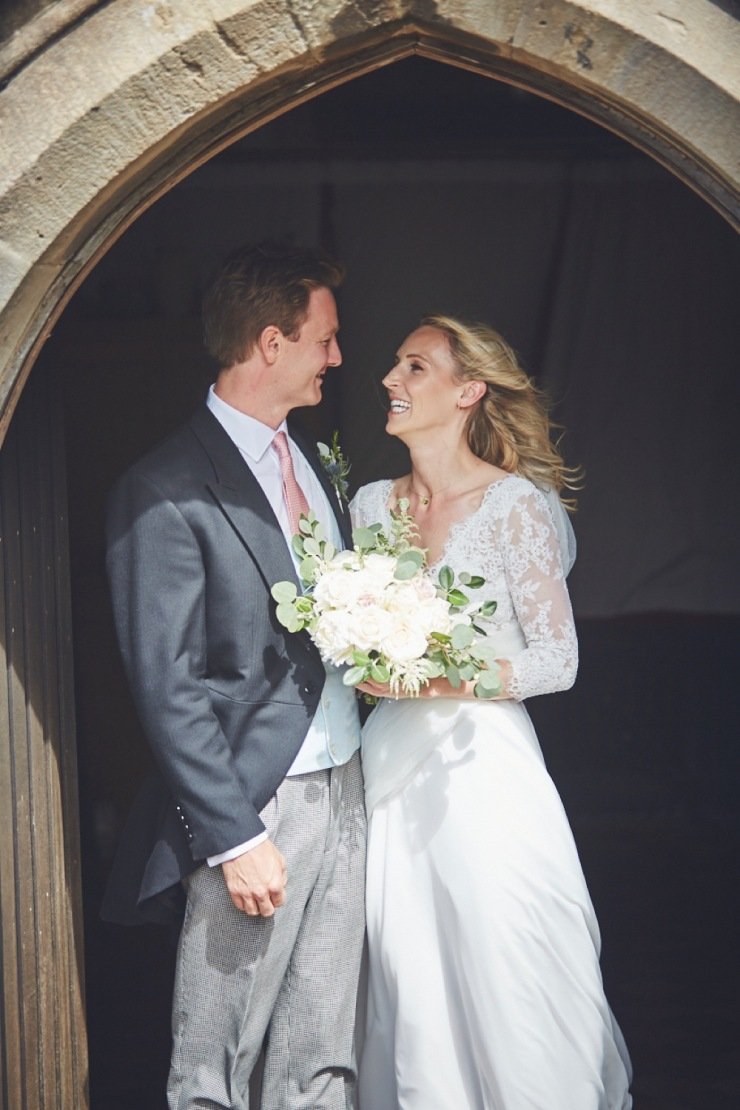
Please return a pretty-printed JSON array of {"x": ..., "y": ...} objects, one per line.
[{"x": 485, "y": 991}]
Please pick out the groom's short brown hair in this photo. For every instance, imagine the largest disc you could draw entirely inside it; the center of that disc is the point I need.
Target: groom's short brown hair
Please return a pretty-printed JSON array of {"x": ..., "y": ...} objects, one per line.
[{"x": 257, "y": 286}]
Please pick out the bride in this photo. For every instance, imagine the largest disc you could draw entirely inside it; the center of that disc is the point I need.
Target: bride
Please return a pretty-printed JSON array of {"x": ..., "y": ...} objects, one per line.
[{"x": 485, "y": 990}]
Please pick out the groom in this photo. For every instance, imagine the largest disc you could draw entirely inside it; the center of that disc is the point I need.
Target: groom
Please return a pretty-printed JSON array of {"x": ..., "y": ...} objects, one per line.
[{"x": 257, "y": 805}]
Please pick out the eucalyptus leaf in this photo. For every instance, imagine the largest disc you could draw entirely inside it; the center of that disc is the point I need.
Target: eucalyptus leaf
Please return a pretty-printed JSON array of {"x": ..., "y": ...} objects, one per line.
[
  {"x": 305, "y": 526},
  {"x": 490, "y": 680},
  {"x": 308, "y": 568},
  {"x": 457, "y": 598},
  {"x": 353, "y": 676},
  {"x": 284, "y": 591},
  {"x": 407, "y": 565},
  {"x": 311, "y": 547},
  {"x": 364, "y": 538},
  {"x": 446, "y": 578},
  {"x": 452, "y": 675},
  {"x": 433, "y": 668},
  {"x": 462, "y": 636},
  {"x": 487, "y": 653},
  {"x": 475, "y": 582},
  {"x": 288, "y": 617},
  {"x": 379, "y": 673}
]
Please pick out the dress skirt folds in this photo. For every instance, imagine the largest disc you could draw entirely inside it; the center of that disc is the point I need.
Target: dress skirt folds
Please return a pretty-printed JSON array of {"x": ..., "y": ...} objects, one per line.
[{"x": 485, "y": 990}]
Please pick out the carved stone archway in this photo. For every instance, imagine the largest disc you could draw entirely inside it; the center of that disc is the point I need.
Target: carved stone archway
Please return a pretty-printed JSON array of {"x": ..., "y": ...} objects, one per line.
[{"x": 105, "y": 106}]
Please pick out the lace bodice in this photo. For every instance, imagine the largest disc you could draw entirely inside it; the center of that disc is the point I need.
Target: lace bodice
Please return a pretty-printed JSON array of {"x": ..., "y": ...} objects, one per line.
[{"x": 510, "y": 540}]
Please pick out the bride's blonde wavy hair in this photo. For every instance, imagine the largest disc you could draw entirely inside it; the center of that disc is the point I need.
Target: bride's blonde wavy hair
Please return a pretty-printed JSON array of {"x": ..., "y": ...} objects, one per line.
[{"x": 510, "y": 426}]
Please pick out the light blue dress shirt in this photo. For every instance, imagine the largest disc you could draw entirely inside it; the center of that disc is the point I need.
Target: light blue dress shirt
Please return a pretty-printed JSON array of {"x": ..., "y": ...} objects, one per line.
[{"x": 334, "y": 735}]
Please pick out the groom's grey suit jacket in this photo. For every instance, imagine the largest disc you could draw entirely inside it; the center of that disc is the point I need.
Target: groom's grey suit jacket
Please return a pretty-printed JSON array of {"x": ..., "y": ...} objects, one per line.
[{"x": 225, "y": 695}]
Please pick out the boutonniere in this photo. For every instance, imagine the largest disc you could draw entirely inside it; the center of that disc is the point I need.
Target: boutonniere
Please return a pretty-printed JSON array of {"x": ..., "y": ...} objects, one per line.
[{"x": 336, "y": 467}]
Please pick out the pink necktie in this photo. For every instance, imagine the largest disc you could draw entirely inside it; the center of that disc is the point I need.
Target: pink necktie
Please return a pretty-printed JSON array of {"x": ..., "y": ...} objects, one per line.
[{"x": 295, "y": 500}]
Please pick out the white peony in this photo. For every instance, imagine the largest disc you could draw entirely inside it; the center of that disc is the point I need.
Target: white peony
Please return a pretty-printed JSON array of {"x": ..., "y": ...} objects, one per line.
[{"x": 333, "y": 636}]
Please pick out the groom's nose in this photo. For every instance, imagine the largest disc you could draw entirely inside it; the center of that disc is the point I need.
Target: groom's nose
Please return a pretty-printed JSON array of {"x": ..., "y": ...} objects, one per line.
[{"x": 334, "y": 354}]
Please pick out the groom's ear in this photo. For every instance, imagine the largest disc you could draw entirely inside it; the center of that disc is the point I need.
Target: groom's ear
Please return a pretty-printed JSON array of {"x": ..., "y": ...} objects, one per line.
[{"x": 269, "y": 343}]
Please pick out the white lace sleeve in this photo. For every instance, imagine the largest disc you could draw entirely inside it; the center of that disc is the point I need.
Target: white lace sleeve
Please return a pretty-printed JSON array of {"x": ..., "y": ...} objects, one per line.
[{"x": 534, "y": 573}]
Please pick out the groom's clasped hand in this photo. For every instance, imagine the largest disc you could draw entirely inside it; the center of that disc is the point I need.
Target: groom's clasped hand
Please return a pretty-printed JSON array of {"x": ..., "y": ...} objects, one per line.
[{"x": 257, "y": 880}]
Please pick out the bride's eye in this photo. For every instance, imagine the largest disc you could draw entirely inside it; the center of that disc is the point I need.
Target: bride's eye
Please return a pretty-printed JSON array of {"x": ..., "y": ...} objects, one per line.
[{"x": 415, "y": 368}]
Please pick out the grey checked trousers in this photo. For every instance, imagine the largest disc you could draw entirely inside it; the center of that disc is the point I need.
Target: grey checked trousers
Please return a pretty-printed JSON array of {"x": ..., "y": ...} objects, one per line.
[{"x": 287, "y": 982}]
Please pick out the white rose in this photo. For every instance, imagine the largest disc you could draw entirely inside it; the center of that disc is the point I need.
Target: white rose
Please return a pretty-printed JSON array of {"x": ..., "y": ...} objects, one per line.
[
  {"x": 416, "y": 601},
  {"x": 403, "y": 642},
  {"x": 402, "y": 598},
  {"x": 369, "y": 624},
  {"x": 379, "y": 570},
  {"x": 424, "y": 587},
  {"x": 434, "y": 616},
  {"x": 337, "y": 588}
]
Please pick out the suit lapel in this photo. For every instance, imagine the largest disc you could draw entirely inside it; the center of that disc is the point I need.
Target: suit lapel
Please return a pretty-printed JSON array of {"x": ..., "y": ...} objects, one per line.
[{"x": 241, "y": 498}]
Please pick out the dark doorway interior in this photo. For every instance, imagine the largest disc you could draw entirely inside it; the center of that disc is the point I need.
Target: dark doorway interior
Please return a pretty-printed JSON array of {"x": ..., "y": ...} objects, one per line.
[{"x": 441, "y": 190}]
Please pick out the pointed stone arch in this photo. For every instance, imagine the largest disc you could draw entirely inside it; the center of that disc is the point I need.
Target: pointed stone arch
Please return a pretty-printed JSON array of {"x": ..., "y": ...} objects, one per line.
[{"x": 106, "y": 107}]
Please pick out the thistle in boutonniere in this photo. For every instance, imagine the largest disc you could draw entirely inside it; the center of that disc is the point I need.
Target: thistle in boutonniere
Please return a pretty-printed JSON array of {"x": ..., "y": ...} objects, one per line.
[{"x": 336, "y": 466}]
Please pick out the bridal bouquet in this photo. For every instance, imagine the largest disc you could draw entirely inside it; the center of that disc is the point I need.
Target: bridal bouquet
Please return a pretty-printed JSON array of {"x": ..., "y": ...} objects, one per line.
[{"x": 377, "y": 610}]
